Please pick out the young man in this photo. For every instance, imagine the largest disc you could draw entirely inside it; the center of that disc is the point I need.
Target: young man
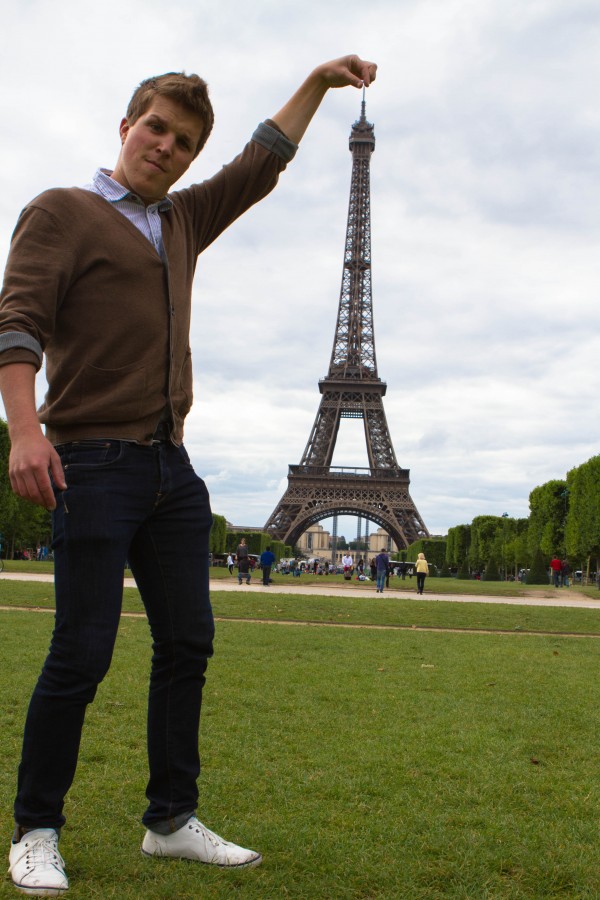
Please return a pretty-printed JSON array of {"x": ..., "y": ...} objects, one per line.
[
  {"x": 382, "y": 564},
  {"x": 99, "y": 281},
  {"x": 267, "y": 558}
]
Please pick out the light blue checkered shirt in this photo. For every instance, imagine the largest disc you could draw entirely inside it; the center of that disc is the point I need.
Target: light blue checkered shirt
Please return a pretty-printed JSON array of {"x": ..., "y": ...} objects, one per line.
[{"x": 145, "y": 218}]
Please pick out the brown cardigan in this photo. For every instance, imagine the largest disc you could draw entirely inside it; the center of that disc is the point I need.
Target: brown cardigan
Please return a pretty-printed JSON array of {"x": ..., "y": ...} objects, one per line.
[{"x": 84, "y": 286}]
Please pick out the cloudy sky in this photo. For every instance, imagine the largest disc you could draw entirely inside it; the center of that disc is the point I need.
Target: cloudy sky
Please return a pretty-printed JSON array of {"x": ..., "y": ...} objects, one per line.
[{"x": 485, "y": 198}]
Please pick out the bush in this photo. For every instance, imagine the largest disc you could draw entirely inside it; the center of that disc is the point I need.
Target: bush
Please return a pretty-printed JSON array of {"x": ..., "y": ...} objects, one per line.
[
  {"x": 465, "y": 571},
  {"x": 491, "y": 570},
  {"x": 445, "y": 570},
  {"x": 279, "y": 549},
  {"x": 538, "y": 573}
]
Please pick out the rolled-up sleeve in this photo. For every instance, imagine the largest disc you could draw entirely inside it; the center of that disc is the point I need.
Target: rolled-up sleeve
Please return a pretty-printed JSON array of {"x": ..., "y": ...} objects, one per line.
[
  {"x": 12, "y": 341},
  {"x": 35, "y": 279},
  {"x": 271, "y": 138}
]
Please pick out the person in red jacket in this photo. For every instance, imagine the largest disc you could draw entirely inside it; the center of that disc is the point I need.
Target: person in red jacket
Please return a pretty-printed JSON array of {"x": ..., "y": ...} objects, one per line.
[{"x": 556, "y": 566}]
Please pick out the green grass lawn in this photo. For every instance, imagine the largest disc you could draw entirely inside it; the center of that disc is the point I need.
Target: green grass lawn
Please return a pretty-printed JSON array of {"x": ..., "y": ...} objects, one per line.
[
  {"x": 362, "y": 763},
  {"x": 360, "y": 609}
]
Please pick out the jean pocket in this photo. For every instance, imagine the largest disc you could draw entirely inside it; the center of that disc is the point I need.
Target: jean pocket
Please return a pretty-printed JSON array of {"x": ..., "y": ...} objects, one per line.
[{"x": 90, "y": 454}]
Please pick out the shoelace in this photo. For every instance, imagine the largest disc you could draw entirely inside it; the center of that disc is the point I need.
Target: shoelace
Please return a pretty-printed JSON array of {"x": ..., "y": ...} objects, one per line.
[
  {"x": 214, "y": 839},
  {"x": 42, "y": 852}
]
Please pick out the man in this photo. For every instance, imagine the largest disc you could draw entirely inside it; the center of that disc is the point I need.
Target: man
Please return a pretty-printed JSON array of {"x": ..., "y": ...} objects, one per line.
[
  {"x": 382, "y": 562},
  {"x": 99, "y": 281},
  {"x": 243, "y": 561},
  {"x": 556, "y": 566},
  {"x": 267, "y": 558},
  {"x": 347, "y": 565}
]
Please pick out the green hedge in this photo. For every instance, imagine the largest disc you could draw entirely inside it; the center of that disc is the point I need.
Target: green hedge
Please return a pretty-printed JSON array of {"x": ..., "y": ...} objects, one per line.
[
  {"x": 218, "y": 534},
  {"x": 257, "y": 541},
  {"x": 435, "y": 551}
]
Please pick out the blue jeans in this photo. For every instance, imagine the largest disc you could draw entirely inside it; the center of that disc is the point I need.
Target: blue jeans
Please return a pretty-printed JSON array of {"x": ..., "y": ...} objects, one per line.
[
  {"x": 144, "y": 504},
  {"x": 381, "y": 575}
]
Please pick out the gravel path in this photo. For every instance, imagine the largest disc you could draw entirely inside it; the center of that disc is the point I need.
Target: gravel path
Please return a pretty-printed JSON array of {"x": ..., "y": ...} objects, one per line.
[{"x": 544, "y": 597}]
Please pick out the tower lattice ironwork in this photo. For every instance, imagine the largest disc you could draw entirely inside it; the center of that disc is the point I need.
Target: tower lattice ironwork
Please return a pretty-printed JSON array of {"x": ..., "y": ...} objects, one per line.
[{"x": 352, "y": 389}]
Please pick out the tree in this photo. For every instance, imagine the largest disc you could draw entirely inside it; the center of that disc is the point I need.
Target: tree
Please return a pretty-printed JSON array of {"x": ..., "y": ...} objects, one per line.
[
  {"x": 548, "y": 505},
  {"x": 457, "y": 544},
  {"x": 516, "y": 549},
  {"x": 582, "y": 530},
  {"x": 445, "y": 570},
  {"x": 5, "y": 489},
  {"x": 491, "y": 570},
  {"x": 218, "y": 534},
  {"x": 23, "y": 524},
  {"x": 486, "y": 539},
  {"x": 538, "y": 573},
  {"x": 464, "y": 572},
  {"x": 279, "y": 549}
]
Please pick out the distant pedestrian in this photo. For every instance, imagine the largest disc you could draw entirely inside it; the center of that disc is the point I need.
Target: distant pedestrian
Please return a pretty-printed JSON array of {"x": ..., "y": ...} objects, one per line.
[
  {"x": 382, "y": 563},
  {"x": 373, "y": 568},
  {"x": 556, "y": 566},
  {"x": 267, "y": 558},
  {"x": 422, "y": 569},
  {"x": 565, "y": 573},
  {"x": 243, "y": 562},
  {"x": 230, "y": 563}
]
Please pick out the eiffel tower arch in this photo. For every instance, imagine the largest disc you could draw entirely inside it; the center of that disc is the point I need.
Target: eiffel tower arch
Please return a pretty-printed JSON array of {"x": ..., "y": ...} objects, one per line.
[{"x": 352, "y": 389}]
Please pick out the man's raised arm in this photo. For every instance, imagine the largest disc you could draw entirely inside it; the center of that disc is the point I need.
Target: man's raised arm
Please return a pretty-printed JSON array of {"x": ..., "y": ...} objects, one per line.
[{"x": 295, "y": 116}]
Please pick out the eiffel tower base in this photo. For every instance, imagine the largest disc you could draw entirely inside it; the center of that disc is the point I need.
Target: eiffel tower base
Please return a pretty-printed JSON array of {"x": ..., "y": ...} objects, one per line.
[{"x": 315, "y": 493}]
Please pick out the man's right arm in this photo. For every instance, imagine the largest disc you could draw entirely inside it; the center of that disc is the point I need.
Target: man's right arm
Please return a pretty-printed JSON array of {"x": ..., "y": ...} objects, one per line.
[{"x": 32, "y": 456}]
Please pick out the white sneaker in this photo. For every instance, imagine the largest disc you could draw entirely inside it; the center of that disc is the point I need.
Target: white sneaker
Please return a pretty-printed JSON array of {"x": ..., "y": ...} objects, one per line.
[
  {"x": 195, "y": 841},
  {"x": 36, "y": 866}
]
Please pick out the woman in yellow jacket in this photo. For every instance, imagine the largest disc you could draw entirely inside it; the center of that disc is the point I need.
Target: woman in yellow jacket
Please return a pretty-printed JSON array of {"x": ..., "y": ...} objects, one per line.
[{"x": 422, "y": 570}]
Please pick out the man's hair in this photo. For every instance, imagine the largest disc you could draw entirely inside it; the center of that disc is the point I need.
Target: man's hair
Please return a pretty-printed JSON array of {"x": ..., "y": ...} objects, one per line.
[{"x": 190, "y": 91}]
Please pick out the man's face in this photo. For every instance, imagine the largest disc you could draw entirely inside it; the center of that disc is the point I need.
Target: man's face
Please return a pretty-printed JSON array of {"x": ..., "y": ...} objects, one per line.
[{"x": 157, "y": 149}]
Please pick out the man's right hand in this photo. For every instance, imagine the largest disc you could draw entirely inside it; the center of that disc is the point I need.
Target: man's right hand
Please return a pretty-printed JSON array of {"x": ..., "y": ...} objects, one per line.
[
  {"x": 32, "y": 457},
  {"x": 32, "y": 460}
]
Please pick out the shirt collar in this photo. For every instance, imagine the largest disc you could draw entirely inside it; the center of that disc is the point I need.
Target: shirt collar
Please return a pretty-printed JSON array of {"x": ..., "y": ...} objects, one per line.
[{"x": 112, "y": 191}]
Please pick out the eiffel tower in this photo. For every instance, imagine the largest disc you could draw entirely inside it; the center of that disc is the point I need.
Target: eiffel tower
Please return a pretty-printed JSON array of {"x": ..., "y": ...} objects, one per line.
[{"x": 352, "y": 389}]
